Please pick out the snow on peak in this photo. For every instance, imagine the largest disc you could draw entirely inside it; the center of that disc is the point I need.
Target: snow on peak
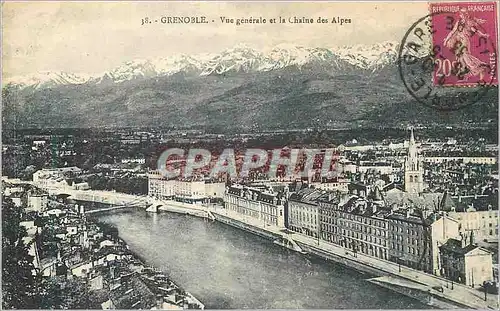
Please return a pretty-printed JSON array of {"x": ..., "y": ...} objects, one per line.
[
  {"x": 238, "y": 58},
  {"x": 369, "y": 56},
  {"x": 47, "y": 79}
]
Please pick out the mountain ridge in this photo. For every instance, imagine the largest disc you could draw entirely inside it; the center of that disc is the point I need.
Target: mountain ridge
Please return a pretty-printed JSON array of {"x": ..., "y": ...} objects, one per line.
[
  {"x": 240, "y": 58},
  {"x": 283, "y": 87}
]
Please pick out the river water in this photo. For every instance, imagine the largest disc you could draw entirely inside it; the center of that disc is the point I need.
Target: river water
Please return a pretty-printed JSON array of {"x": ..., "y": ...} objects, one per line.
[{"x": 225, "y": 267}]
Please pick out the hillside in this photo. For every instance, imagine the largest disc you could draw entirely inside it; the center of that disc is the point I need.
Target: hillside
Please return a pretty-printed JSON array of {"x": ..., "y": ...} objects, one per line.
[{"x": 312, "y": 89}]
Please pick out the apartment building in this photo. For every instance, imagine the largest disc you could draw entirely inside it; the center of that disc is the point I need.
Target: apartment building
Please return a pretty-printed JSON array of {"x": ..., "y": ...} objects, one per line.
[
  {"x": 356, "y": 224},
  {"x": 187, "y": 190},
  {"x": 262, "y": 203}
]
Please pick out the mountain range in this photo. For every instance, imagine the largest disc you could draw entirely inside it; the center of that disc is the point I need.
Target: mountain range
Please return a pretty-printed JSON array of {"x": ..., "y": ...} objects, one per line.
[
  {"x": 279, "y": 87},
  {"x": 238, "y": 59}
]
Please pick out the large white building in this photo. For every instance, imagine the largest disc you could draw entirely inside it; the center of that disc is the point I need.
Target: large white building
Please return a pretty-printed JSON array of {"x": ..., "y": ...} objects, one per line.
[
  {"x": 55, "y": 178},
  {"x": 262, "y": 203},
  {"x": 474, "y": 160},
  {"x": 192, "y": 190},
  {"x": 465, "y": 262},
  {"x": 37, "y": 201},
  {"x": 477, "y": 214}
]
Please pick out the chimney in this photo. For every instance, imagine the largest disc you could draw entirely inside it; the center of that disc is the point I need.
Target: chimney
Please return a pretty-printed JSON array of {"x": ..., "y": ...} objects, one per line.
[
  {"x": 159, "y": 302},
  {"x": 434, "y": 217},
  {"x": 472, "y": 238},
  {"x": 408, "y": 212},
  {"x": 463, "y": 240},
  {"x": 459, "y": 199}
]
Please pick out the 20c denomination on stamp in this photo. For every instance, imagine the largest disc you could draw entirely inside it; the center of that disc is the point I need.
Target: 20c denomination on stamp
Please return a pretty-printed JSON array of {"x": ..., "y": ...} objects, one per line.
[{"x": 447, "y": 59}]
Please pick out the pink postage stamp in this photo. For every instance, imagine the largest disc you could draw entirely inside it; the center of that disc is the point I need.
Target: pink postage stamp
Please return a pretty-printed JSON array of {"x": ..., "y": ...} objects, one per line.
[{"x": 465, "y": 33}]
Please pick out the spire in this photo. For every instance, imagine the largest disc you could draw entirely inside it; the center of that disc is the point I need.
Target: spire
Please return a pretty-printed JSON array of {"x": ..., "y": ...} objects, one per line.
[{"x": 412, "y": 152}]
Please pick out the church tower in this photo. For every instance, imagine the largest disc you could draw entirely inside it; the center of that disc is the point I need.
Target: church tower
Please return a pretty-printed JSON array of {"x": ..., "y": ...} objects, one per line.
[{"x": 414, "y": 172}]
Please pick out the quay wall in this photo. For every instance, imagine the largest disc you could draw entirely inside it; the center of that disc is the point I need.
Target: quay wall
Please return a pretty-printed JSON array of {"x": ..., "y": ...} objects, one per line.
[
  {"x": 182, "y": 210},
  {"x": 348, "y": 260},
  {"x": 429, "y": 298},
  {"x": 246, "y": 227}
]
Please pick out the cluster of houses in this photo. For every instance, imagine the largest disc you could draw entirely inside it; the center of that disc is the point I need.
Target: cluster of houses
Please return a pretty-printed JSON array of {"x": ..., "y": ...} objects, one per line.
[{"x": 66, "y": 244}]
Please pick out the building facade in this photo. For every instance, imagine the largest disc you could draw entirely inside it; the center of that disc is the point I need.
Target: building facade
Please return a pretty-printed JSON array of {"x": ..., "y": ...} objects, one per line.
[
  {"x": 192, "y": 190},
  {"x": 474, "y": 160},
  {"x": 55, "y": 178},
  {"x": 37, "y": 201},
  {"x": 484, "y": 224},
  {"x": 357, "y": 224},
  {"x": 466, "y": 263},
  {"x": 477, "y": 214},
  {"x": 303, "y": 211},
  {"x": 260, "y": 203},
  {"x": 415, "y": 238}
]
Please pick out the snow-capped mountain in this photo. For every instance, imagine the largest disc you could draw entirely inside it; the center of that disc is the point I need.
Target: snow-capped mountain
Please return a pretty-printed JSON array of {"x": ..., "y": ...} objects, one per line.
[
  {"x": 47, "y": 79},
  {"x": 369, "y": 57},
  {"x": 240, "y": 58}
]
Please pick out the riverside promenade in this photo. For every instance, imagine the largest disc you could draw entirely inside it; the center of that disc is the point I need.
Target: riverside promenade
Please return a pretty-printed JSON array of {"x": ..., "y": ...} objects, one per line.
[{"x": 461, "y": 295}]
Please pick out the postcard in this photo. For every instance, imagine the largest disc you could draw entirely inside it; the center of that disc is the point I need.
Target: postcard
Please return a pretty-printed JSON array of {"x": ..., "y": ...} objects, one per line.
[{"x": 250, "y": 155}]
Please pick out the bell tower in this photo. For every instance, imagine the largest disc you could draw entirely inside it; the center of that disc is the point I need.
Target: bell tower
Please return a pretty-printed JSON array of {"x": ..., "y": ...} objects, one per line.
[{"x": 414, "y": 172}]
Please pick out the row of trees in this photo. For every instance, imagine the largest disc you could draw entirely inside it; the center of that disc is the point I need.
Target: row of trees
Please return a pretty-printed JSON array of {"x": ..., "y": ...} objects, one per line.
[{"x": 130, "y": 185}]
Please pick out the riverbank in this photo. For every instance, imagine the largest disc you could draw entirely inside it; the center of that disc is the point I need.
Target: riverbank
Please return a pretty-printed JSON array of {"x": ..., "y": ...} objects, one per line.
[
  {"x": 132, "y": 280},
  {"x": 122, "y": 278},
  {"x": 460, "y": 296}
]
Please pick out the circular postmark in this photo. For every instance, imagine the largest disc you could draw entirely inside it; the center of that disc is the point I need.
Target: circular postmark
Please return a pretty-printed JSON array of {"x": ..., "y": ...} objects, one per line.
[{"x": 447, "y": 60}]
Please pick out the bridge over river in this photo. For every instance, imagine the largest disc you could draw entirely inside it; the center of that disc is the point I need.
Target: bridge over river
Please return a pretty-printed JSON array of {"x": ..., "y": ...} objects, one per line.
[{"x": 118, "y": 200}]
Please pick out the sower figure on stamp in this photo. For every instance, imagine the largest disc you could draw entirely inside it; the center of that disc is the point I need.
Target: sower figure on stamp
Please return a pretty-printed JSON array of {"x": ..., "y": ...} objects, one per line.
[{"x": 458, "y": 41}]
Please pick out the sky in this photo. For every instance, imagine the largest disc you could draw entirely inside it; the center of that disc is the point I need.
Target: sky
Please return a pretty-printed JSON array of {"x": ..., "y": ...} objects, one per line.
[{"x": 93, "y": 37}]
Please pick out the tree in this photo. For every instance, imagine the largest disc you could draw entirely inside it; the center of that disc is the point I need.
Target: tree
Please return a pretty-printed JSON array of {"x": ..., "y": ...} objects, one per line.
[
  {"x": 19, "y": 288},
  {"x": 108, "y": 230},
  {"x": 62, "y": 293}
]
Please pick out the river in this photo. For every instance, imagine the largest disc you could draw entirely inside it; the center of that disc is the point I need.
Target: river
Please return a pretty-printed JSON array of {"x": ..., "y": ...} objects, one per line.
[{"x": 225, "y": 267}]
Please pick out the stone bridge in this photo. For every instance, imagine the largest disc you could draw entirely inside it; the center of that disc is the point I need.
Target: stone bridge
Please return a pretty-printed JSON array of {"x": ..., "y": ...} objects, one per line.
[{"x": 119, "y": 200}]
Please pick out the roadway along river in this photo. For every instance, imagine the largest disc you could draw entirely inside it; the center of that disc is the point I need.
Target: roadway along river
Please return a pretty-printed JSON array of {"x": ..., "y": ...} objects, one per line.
[{"x": 228, "y": 268}]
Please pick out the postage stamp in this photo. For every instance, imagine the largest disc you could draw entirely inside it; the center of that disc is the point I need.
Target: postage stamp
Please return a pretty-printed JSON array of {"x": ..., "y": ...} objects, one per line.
[
  {"x": 447, "y": 59},
  {"x": 467, "y": 34}
]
